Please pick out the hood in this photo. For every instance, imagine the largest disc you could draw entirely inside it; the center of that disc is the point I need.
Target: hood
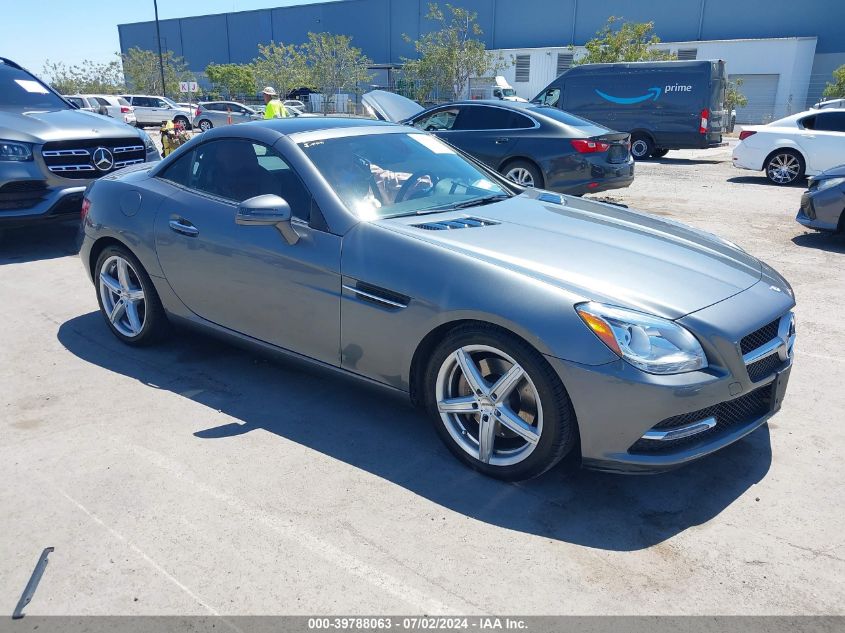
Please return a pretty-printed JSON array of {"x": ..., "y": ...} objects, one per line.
[
  {"x": 389, "y": 106},
  {"x": 60, "y": 125},
  {"x": 517, "y": 99},
  {"x": 833, "y": 172},
  {"x": 599, "y": 252}
]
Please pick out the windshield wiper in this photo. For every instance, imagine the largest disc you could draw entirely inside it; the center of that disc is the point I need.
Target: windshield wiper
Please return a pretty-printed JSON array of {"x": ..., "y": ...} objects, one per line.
[{"x": 477, "y": 202}]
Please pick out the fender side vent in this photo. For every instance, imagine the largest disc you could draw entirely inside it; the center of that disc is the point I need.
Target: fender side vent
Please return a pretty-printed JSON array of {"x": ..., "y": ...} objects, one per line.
[
  {"x": 457, "y": 223},
  {"x": 377, "y": 295}
]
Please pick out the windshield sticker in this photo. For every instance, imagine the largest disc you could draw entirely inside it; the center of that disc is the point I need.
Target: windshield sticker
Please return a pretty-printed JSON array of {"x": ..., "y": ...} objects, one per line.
[
  {"x": 32, "y": 86},
  {"x": 435, "y": 145}
]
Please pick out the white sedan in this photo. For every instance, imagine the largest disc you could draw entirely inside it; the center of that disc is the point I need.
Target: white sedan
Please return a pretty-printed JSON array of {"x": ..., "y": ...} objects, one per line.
[{"x": 799, "y": 145}]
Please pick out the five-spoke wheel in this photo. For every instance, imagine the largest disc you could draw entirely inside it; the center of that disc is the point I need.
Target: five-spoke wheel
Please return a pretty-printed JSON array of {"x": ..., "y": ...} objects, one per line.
[
  {"x": 127, "y": 298},
  {"x": 498, "y": 404}
]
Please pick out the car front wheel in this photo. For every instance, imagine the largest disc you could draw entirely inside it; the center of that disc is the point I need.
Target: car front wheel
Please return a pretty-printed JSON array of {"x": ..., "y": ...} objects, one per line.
[
  {"x": 498, "y": 405},
  {"x": 784, "y": 167},
  {"x": 128, "y": 300},
  {"x": 205, "y": 125}
]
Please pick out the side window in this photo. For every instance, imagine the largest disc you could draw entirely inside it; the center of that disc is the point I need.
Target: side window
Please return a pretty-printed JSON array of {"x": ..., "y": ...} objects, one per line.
[
  {"x": 102, "y": 101},
  {"x": 809, "y": 123},
  {"x": 158, "y": 103},
  {"x": 143, "y": 102},
  {"x": 438, "y": 120},
  {"x": 520, "y": 121},
  {"x": 122, "y": 101},
  {"x": 831, "y": 121},
  {"x": 551, "y": 97},
  {"x": 484, "y": 118},
  {"x": 238, "y": 169},
  {"x": 76, "y": 101}
]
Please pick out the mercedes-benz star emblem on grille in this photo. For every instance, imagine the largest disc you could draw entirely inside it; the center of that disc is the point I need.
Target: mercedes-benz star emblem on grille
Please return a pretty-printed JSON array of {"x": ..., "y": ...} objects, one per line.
[{"x": 103, "y": 160}]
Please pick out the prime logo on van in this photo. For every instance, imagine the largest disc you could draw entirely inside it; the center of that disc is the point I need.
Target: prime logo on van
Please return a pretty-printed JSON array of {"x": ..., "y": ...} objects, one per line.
[{"x": 653, "y": 94}]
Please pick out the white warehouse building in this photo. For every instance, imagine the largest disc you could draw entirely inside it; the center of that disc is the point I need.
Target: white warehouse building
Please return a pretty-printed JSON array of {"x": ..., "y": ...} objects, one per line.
[{"x": 775, "y": 72}]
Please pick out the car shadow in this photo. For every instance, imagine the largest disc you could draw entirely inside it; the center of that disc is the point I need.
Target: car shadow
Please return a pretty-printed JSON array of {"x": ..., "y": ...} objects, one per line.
[
  {"x": 668, "y": 160},
  {"x": 380, "y": 432},
  {"x": 801, "y": 183},
  {"x": 823, "y": 241},
  {"x": 37, "y": 242}
]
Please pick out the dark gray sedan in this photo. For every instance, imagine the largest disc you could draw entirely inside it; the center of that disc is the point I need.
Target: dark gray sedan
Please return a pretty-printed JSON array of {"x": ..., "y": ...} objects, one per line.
[
  {"x": 823, "y": 204},
  {"x": 530, "y": 325}
]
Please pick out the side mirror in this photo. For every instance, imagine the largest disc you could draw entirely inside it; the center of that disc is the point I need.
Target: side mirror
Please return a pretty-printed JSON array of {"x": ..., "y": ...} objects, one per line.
[{"x": 268, "y": 210}]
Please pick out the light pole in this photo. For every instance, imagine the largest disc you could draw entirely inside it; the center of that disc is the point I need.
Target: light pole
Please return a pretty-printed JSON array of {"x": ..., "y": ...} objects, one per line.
[{"x": 160, "y": 56}]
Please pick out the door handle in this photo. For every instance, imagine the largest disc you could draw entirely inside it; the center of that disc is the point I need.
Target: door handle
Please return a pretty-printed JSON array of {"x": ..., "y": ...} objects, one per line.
[
  {"x": 501, "y": 140},
  {"x": 184, "y": 227}
]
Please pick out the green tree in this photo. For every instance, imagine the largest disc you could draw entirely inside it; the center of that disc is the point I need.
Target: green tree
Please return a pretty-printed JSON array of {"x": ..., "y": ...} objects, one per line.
[
  {"x": 141, "y": 69},
  {"x": 85, "y": 77},
  {"x": 734, "y": 97},
  {"x": 629, "y": 42},
  {"x": 231, "y": 79},
  {"x": 335, "y": 65},
  {"x": 837, "y": 88},
  {"x": 449, "y": 55},
  {"x": 281, "y": 66}
]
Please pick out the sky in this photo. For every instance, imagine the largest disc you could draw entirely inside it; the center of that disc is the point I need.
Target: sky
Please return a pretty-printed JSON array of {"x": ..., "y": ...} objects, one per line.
[{"x": 33, "y": 31}]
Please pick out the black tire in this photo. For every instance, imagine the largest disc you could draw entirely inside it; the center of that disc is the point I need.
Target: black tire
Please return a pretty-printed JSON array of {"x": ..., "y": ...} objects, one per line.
[
  {"x": 155, "y": 323},
  {"x": 183, "y": 121},
  {"x": 784, "y": 167},
  {"x": 536, "y": 175},
  {"x": 641, "y": 146},
  {"x": 559, "y": 433},
  {"x": 659, "y": 153}
]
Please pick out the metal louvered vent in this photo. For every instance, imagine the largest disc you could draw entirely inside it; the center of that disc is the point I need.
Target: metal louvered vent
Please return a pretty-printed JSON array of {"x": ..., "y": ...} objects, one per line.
[
  {"x": 457, "y": 223},
  {"x": 687, "y": 53},
  {"x": 564, "y": 62},
  {"x": 523, "y": 68}
]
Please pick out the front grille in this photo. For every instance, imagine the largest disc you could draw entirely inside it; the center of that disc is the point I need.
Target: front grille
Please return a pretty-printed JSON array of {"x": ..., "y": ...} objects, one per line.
[
  {"x": 807, "y": 206},
  {"x": 22, "y": 194},
  {"x": 760, "y": 337},
  {"x": 729, "y": 415},
  {"x": 764, "y": 367},
  {"x": 75, "y": 159},
  {"x": 617, "y": 154}
]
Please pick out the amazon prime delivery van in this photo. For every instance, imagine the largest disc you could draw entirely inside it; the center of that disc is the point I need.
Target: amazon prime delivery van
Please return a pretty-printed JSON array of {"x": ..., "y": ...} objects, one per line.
[{"x": 664, "y": 105}]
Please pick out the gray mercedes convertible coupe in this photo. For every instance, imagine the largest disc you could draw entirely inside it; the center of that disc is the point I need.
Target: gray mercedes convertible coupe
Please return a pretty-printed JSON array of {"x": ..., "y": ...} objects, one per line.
[{"x": 529, "y": 324}]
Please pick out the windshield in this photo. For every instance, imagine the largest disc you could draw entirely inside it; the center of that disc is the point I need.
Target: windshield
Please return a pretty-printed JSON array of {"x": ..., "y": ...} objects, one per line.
[
  {"x": 509, "y": 92},
  {"x": 170, "y": 102},
  {"x": 21, "y": 91},
  {"x": 388, "y": 175}
]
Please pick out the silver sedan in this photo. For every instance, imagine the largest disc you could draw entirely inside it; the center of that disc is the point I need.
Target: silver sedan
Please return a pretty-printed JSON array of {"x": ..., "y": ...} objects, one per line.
[
  {"x": 530, "y": 325},
  {"x": 211, "y": 114}
]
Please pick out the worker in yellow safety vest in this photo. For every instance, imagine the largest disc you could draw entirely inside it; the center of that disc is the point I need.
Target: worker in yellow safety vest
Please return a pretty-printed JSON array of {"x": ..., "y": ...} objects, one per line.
[{"x": 273, "y": 108}]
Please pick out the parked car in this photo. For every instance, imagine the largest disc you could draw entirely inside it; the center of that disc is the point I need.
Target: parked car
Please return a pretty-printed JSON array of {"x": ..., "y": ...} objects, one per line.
[
  {"x": 85, "y": 103},
  {"x": 803, "y": 144},
  {"x": 830, "y": 103},
  {"x": 296, "y": 103},
  {"x": 664, "y": 105},
  {"x": 115, "y": 107},
  {"x": 151, "y": 110},
  {"x": 50, "y": 151},
  {"x": 536, "y": 146},
  {"x": 210, "y": 114},
  {"x": 823, "y": 204},
  {"x": 538, "y": 324}
]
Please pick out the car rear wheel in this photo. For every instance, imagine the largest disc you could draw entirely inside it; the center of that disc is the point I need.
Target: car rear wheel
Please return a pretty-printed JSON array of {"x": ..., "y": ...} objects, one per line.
[
  {"x": 127, "y": 298},
  {"x": 641, "y": 147},
  {"x": 183, "y": 121},
  {"x": 497, "y": 404},
  {"x": 205, "y": 125},
  {"x": 524, "y": 173},
  {"x": 784, "y": 167}
]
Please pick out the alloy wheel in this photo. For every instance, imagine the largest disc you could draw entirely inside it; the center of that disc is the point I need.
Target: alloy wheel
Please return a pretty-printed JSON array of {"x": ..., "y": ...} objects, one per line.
[
  {"x": 521, "y": 176},
  {"x": 783, "y": 168},
  {"x": 489, "y": 405},
  {"x": 205, "y": 126},
  {"x": 122, "y": 296}
]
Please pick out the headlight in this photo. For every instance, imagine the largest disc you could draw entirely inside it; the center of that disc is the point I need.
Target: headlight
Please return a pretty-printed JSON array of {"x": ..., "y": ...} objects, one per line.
[
  {"x": 10, "y": 150},
  {"x": 148, "y": 141},
  {"x": 828, "y": 183},
  {"x": 655, "y": 345}
]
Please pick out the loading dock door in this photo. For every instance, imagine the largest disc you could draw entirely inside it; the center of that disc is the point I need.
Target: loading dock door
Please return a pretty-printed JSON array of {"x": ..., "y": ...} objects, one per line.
[{"x": 760, "y": 90}]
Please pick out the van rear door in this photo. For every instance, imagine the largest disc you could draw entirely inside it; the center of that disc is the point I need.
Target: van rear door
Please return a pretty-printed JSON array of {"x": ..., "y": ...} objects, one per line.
[{"x": 719, "y": 117}]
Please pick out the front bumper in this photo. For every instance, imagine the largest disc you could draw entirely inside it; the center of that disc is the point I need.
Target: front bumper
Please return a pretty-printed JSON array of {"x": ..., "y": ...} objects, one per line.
[
  {"x": 823, "y": 210},
  {"x": 619, "y": 407}
]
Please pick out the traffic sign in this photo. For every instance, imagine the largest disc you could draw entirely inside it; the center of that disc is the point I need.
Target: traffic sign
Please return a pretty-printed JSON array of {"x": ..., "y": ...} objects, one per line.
[{"x": 188, "y": 86}]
